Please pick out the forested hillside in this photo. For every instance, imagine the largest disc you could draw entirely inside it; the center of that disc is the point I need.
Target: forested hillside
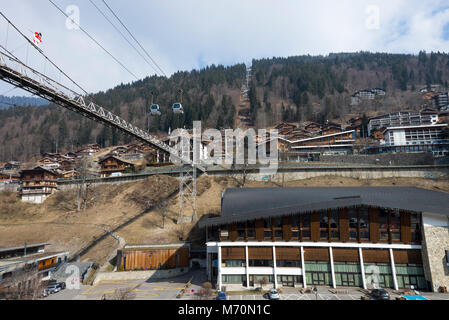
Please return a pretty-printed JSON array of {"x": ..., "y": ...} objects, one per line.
[
  {"x": 6, "y": 102},
  {"x": 293, "y": 89},
  {"x": 320, "y": 88}
]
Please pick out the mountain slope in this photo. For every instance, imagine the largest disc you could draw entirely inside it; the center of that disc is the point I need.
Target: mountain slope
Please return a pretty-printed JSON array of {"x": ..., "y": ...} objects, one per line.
[{"x": 292, "y": 89}]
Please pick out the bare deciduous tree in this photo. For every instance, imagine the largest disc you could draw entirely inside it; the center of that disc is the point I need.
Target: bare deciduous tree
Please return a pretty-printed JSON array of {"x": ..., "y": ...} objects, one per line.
[
  {"x": 123, "y": 294},
  {"x": 24, "y": 284},
  {"x": 82, "y": 186},
  {"x": 263, "y": 282},
  {"x": 205, "y": 292},
  {"x": 162, "y": 211}
]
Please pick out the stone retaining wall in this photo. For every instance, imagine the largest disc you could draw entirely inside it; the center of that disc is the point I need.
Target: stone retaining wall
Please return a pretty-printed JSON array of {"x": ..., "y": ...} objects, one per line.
[
  {"x": 140, "y": 275},
  {"x": 398, "y": 159},
  {"x": 435, "y": 244}
]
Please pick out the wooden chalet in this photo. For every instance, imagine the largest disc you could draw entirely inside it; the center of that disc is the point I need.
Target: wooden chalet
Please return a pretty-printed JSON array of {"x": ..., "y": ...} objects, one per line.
[
  {"x": 37, "y": 184},
  {"x": 113, "y": 164}
]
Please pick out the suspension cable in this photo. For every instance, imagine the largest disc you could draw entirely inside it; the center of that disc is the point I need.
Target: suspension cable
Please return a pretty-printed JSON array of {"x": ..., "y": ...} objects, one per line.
[
  {"x": 41, "y": 52},
  {"x": 162, "y": 71},
  {"x": 123, "y": 36},
  {"x": 96, "y": 42}
]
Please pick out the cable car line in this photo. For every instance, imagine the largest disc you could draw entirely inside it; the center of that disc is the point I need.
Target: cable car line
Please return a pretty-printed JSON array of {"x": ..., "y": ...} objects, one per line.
[
  {"x": 93, "y": 39},
  {"x": 124, "y": 37},
  {"x": 146, "y": 52},
  {"x": 40, "y": 51}
]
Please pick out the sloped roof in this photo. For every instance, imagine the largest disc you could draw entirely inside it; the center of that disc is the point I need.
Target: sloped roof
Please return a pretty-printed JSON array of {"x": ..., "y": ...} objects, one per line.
[{"x": 254, "y": 203}]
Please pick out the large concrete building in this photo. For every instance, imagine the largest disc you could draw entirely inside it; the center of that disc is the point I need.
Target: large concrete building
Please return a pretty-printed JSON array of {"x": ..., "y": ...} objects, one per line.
[
  {"x": 419, "y": 138},
  {"x": 389, "y": 237},
  {"x": 16, "y": 258},
  {"x": 401, "y": 119}
]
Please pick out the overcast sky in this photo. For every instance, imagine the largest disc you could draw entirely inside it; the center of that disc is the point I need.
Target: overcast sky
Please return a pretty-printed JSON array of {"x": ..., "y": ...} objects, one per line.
[{"x": 190, "y": 34}]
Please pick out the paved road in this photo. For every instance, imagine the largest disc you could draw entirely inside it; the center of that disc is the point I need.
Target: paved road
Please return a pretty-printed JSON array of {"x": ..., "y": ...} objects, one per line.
[
  {"x": 141, "y": 289},
  {"x": 168, "y": 290},
  {"x": 325, "y": 294}
]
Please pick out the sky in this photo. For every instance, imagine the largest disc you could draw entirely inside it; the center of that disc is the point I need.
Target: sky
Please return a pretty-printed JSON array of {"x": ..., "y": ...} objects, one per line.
[{"x": 191, "y": 34}]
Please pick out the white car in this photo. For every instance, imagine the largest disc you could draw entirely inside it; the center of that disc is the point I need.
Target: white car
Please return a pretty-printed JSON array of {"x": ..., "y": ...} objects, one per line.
[{"x": 273, "y": 294}]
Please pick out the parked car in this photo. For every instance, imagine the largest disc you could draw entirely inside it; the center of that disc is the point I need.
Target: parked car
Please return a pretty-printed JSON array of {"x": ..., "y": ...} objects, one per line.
[
  {"x": 273, "y": 294},
  {"x": 53, "y": 288},
  {"x": 61, "y": 285},
  {"x": 380, "y": 294},
  {"x": 221, "y": 295}
]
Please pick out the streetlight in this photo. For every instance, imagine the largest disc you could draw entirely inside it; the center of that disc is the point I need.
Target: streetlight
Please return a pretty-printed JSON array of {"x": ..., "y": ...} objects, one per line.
[{"x": 315, "y": 290}]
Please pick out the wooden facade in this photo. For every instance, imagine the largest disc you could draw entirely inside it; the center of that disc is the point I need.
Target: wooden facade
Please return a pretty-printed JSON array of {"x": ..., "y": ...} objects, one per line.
[
  {"x": 398, "y": 231},
  {"x": 47, "y": 263},
  {"x": 153, "y": 258},
  {"x": 112, "y": 164}
]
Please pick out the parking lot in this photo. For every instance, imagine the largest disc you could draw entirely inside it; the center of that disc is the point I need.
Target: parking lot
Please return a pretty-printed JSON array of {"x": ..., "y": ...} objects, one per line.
[
  {"x": 324, "y": 294},
  {"x": 140, "y": 289}
]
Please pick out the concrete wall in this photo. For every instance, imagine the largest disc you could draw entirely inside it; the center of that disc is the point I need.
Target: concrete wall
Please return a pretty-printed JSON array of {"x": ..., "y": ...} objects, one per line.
[
  {"x": 140, "y": 275},
  {"x": 383, "y": 159},
  {"x": 356, "y": 173},
  {"x": 34, "y": 198},
  {"x": 10, "y": 187},
  {"x": 306, "y": 172},
  {"x": 435, "y": 242}
]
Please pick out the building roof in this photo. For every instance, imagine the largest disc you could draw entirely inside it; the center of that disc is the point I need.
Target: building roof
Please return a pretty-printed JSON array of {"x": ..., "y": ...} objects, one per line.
[
  {"x": 30, "y": 245},
  {"x": 438, "y": 125},
  {"x": 255, "y": 203},
  {"x": 156, "y": 246},
  {"x": 115, "y": 157}
]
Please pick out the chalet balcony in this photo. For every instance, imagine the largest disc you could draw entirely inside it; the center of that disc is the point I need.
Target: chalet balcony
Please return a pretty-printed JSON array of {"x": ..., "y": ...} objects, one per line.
[
  {"x": 37, "y": 191},
  {"x": 39, "y": 183}
]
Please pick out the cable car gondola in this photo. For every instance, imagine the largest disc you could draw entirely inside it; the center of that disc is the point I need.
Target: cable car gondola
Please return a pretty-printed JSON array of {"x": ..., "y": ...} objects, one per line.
[
  {"x": 177, "y": 107},
  {"x": 155, "y": 110}
]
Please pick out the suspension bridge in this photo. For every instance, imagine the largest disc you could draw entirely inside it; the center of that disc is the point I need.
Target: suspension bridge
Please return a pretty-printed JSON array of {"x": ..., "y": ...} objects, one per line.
[{"x": 20, "y": 75}]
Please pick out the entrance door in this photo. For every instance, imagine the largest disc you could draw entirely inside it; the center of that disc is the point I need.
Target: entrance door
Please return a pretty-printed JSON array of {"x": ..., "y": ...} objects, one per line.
[
  {"x": 288, "y": 281},
  {"x": 348, "y": 279},
  {"x": 318, "y": 278}
]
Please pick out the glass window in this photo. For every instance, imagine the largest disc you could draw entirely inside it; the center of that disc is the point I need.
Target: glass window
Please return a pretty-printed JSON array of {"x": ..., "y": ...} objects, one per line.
[
  {"x": 277, "y": 222},
  {"x": 288, "y": 263},
  {"x": 395, "y": 219},
  {"x": 305, "y": 220},
  {"x": 278, "y": 233},
  {"x": 324, "y": 234},
  {"x": 324, "y": 220},
  {"x": 234, "y": 263},
  {"x": 295, "y": 221},
  {"x": 333, "y": 222},
  {"x": 236, "y": 279},
  {"x": 251, "y": 233},
  {"x": 353, "y": 224},
  {"x": 267, "y": 223},
  {"x": 260, "y": 263},
  {"x": 415, "y": 226},
  {"x": 305, "y": 234},
  {"x": 267, "y": 234}
]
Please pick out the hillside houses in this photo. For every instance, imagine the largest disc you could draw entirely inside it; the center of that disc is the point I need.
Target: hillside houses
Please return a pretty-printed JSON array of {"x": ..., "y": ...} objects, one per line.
[
  {"x": 37, "y": 184},
  {"x": 367, "y": 94},
  {"x": 115, "y": 166}
]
